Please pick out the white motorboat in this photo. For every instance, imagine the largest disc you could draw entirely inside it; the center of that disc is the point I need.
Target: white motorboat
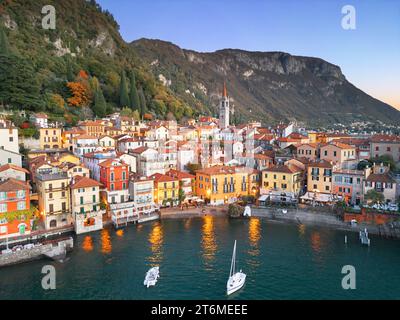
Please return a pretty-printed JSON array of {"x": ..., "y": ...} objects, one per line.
[
  {"x": 236, "y": 279},
  {"x": 151, "y": 277}
]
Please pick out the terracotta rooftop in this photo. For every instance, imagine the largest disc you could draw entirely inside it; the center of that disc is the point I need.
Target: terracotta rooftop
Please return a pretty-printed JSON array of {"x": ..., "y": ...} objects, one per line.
[
  {"x": 384, "y": 178},
  {"x": 284, "y": 169},
  {"x": 84, "y": 182},
  {"x": 13, "y": 185},
  {"x": 180, "y": 174},
  {"x": 13, "y": 167},
  {"x": 158, "y": 177},
  {"x": 320, "y": 164}
]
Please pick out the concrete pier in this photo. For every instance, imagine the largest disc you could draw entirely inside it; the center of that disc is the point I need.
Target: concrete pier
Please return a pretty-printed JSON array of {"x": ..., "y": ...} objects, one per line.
[{"x": 56, "y": 250}]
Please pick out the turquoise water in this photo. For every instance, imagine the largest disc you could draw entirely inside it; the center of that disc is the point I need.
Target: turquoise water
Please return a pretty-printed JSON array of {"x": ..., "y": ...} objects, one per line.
[{"x": 281, "y": 262}]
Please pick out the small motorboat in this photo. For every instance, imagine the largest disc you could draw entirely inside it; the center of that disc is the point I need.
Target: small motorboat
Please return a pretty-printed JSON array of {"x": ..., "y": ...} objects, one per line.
[
  {"x": 151, "y": 277},
  {"x": 236, "y": 279}
]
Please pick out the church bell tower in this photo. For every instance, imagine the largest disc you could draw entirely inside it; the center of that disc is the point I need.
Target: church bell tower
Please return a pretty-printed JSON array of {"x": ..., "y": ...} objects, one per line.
[{"x": 224, "y": 110}]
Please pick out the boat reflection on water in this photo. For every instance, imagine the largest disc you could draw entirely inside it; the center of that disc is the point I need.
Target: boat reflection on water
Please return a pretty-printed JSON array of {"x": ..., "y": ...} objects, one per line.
[
  {"x": 87, "y": 244},
  {"x": 156, "y": 239},
  {"x": 302, "y": 229},
  {"x": 106, "y": 246},
  {"x": 208, "y": 242}
]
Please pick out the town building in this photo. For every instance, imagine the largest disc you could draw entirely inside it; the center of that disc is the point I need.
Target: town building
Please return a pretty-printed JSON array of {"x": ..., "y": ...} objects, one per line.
[
  {"x": 319, "y": 176},
  {"x": 166, "y": 190},
  {"x": 222, "y": 184},
  {"x": 114, "y": 176},
  {"x": 15, "y": 213},
  {"x": 141, "y": 190},
  {"x": 281, "y": 179},
  {"x": 12, "y": 171},
  {"x": 382, "y": 181},
  {"x": 349, "y": 184},
  {"x": 54, "y": 199},
  {"x": 337, "y": 152},
  {"x": 382, "y": 145},
  {"x": 50, "y": 138},
  {"x": 85, "y": 204}
]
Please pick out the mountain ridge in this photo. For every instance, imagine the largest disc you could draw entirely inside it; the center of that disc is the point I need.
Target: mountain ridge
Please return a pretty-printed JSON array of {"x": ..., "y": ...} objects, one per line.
[
  {"x": 265, "y": 86},
  {"x": 325, "y": 74}
]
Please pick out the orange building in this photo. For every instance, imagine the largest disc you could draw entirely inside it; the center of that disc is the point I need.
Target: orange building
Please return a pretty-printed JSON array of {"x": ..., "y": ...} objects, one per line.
[{"x": 15, "y": 215}]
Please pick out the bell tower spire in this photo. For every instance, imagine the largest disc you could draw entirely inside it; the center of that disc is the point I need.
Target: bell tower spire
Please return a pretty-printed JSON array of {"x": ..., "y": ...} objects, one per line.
[{"x": 224, "y": 109}]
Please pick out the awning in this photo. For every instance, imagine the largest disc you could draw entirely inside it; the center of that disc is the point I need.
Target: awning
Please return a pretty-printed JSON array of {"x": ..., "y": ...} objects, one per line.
[
  {"x": 321, "y": 197},
  {"x": 263, "y": 198}
]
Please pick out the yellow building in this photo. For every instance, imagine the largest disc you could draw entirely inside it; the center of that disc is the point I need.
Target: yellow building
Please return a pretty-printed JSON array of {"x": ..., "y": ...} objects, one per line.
[
  {"x": 223, "y": 184},
  {"x": 50, "y": 138},
  {"x": 282, "y": 178},
  {"x": 319, "y": 177},
  {"x": 54, "y": 199},
  {"x": 166, "y": 189}
]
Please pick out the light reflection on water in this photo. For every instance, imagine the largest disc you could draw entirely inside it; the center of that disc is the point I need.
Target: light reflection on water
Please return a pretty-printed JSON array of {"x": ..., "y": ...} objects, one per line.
[
  {"x": 106, "y": 246},
  {"x": 254, "y": 239},
  {"x": 208, "y": 242},
  {"x": 281, "y": 262},
  {"x": 156, "y": 239},
  {"x": 87, "y": 244},
  {"x": 302, "y": 229},
  {"x": 120, "y": 233}
]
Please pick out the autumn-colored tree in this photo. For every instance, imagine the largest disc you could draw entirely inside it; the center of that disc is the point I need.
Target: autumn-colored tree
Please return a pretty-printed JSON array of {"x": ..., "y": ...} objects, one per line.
[
  {"x": 80, "y": 94},
  {"x": 80, "y": 90}
]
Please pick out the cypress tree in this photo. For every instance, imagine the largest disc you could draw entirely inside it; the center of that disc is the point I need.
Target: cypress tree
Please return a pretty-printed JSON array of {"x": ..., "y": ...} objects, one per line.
[
  {"x": 4, "y": 45},
  {"x": 123, "y": 92},
  {"x": 134, "y": 97},
  {"x": 142, "y": 98},
  {"x": 100, "y": 105},
  {"x": 70, "y": 71}
]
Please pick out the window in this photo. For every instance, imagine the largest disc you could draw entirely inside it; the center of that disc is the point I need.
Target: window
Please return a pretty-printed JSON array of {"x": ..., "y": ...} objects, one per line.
[
  {"x": 63, "y": 206},
  {"x": 326, "y": 188},
  {"x": 11, "y": 139},
  {"x": 112, "y": 186},
  {"x": 3, "y": 195},
  {"x": 9, "y": 160},
  {"x": 123, "y": 175},
  {"x": 112, "y": 176},
  {"x": 51, "y": 208},
  {"x": 94, "y": 198},
  {"x": 21, "y": 205},
  {"x": 81, "y": 200},
  {"x": 3, "y": 207}
]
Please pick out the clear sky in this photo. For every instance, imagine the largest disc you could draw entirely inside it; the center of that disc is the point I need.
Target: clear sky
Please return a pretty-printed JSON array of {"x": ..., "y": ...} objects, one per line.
[{"x": 369, "y": 55}]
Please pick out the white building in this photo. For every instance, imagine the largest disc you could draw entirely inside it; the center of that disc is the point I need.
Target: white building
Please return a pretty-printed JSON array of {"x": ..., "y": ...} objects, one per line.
[
  {"x": 12, "y": 171},
  {"x": 40, "y": 120},
  {"x": 148, "y": 161},
  {"x": 85, "y": 144},
  {"x": 85, "y": 205}
]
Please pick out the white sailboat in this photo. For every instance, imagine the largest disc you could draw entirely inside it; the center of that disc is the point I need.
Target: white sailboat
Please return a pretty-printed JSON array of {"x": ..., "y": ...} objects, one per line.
[{"x": 236, "y": 279}]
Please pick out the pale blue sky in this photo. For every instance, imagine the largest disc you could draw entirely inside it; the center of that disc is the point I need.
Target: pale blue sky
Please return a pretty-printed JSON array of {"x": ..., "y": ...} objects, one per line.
[{"x": 369, "y": 56}]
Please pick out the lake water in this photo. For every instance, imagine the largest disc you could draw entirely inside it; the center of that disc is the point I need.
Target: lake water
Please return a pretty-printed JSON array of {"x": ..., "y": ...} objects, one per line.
[{"x": 281, "y": 262}]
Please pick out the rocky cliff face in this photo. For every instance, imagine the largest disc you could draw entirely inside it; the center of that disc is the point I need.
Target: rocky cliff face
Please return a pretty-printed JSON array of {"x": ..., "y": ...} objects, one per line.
[{"x": 268, "y": 86}]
